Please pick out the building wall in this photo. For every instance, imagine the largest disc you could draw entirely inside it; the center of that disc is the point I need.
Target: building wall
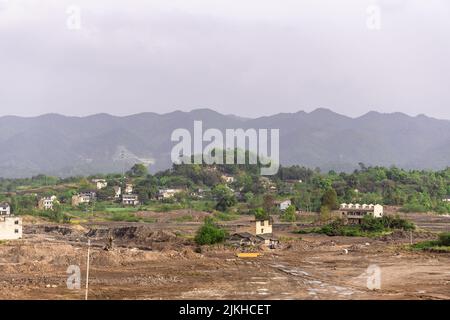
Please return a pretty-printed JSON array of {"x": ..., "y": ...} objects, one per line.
[
  {"x": 378, "y": 211},
  {"x": 5, "y": 211},
  {"x": 263, "y": 227},
  {"x": 10, "y": 228},
  {"x": 284, "y": 205},
  {"x": 76, "y": 200}
]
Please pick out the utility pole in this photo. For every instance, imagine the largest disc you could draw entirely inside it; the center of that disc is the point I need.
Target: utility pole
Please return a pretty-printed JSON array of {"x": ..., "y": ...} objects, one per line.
[{"x": 87, "y": 270}]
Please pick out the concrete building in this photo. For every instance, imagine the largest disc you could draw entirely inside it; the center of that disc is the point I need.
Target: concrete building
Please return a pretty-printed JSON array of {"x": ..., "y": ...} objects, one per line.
[
  {"x": 128, "y": 188},
  {"x": 283, "y": 205},
  {"x": 46, "y": 203},
  {"x": 85, "y": 197},
  {"x": 130, "y": 199},
  {"x": 354, "y": 213},
  {"x": 100, "y": 183},
  {"x": 259, "y": 233},
  {"x": 10, "y": 226},
  {"x": 117, "y": 192},
  {"x": 168, "y": 193},
  {"x": 263, "y": 226},
  {"x": 5, "y": 209}
]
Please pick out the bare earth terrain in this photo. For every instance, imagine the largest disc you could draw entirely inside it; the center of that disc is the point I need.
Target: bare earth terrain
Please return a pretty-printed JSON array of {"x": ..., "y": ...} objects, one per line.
[{"x": 160, "y": 261}]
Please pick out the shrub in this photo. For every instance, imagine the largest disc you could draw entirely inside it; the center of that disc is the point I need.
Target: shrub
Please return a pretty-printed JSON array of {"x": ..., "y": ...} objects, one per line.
[
  {"x": 124, "y": 216},
  {"x": 210, "y": 233},
  {"x": 444, "y": 239},
  {"x": 289, "y": 214}
]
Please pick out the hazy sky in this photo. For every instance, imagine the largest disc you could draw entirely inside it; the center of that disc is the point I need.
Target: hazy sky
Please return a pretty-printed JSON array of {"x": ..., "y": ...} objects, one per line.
[{"x": 246, "y": 57}]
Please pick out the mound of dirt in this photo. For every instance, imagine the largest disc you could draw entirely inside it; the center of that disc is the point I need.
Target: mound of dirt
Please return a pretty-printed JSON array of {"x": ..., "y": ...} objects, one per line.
[{"x": 136, "y": 236}]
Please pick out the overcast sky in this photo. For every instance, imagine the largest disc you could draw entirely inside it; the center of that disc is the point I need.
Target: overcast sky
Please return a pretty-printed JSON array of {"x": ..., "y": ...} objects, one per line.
[{"x": 246, "y": 57}]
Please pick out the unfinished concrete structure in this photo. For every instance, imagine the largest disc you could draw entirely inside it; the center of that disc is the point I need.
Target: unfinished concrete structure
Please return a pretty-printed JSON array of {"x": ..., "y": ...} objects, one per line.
[{"x": 355, "y": 212}]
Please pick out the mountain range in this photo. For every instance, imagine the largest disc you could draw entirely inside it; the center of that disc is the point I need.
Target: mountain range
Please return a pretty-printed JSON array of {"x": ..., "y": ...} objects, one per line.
[{"x": 102, "y": 143}]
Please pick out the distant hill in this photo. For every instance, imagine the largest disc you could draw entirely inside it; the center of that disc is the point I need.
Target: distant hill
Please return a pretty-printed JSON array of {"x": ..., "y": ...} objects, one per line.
[{"x": 64, "y": 146}]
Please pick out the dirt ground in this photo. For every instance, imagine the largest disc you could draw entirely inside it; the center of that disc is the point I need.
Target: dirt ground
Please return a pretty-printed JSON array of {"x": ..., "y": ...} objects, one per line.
[{"x": 160, "y": 261}]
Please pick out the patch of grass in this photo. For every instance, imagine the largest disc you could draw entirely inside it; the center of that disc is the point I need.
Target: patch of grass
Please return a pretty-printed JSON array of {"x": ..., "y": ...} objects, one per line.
[
  {"x": 222, "y": 216},
  {"x": 121, "y": 209},
  {"x": 185, "y": 218},
  {"x": 53, "y": 215},
  {"x": 149, "y": 220},
  {"x": 124, "y": 216},
  {"x": 440, "y": 245}
]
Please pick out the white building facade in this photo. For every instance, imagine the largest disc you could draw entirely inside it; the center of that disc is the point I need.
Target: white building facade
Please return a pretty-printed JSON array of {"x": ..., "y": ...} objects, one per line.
[{"x": 10, "y": 226}]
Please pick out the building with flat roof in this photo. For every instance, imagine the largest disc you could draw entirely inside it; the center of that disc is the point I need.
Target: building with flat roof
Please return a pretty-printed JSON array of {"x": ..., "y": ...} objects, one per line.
[
  {"x": 10, "y": 225},
  {"x": 355, "y": 212}
]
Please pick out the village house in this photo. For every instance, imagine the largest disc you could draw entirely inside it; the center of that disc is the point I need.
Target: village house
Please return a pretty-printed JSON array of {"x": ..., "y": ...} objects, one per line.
[
  {"x": 354, "y": 213},
  {"x": 5, "y": 209},
  {"x": 10, "y": 226},
  {"x": 130, "y": 199},
  {"x": 283, "y": 205},
  {"x": 46, "y": 203},
  {"x": 446, "y": 199},
  {"x": 117, "y": 192},
  {"x": 100, "y": 183},
  {"x": 81, "y": 198},
  {"x": 259, "y": 232},
  {"x": 128, "y": 188},
  {"x": 168, "y": 193}
]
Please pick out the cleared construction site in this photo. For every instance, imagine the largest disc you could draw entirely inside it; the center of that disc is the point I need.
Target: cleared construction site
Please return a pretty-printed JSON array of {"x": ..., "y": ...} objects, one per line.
[{"x": 161, "y": 261}]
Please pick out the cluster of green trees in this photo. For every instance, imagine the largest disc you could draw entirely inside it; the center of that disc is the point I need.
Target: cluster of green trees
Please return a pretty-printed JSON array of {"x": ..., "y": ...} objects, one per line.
[
  {"x": 309, "y": 190},
  {"x": 369, "y": 226}
]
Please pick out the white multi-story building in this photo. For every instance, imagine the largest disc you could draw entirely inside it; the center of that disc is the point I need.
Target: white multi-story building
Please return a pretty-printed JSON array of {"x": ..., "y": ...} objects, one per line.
[
  {"x": 46, "y": 203},
  {"x": 10, "y": 226}
]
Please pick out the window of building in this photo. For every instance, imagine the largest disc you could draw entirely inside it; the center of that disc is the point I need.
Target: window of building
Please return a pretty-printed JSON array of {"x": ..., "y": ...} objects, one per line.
[
  {"x": 16, "y": 231},
  {"x": 16, "y": 222}
]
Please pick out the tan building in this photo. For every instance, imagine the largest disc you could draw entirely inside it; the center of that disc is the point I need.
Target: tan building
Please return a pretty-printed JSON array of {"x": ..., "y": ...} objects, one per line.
[
  {"x": 81, "y": 198},
  {"x": 10, "y": 225},
  {"x": 46, "y": 203},
  {"x": 355, "y": 212},
  {"x": 263, "y": 226},
  {"x": 259, "y": 232}
]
